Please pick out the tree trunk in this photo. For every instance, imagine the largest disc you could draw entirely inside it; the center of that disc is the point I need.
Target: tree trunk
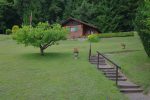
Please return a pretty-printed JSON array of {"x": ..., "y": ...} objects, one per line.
[{"x": 42, "y": 51}]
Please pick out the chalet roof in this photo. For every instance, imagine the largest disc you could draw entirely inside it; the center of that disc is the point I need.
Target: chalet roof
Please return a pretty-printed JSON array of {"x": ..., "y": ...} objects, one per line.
[{"x": 87, "y": 24}]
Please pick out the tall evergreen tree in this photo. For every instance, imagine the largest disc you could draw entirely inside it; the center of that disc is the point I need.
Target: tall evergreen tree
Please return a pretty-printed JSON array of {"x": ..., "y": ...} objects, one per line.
[
  {"x": 8, "y": 16},
  {"x": 107, "y": 15},
  {"x": 84, "y": 12}
]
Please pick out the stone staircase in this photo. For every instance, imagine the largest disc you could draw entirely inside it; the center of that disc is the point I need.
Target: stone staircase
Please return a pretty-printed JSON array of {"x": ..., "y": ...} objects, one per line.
[{"x": 124, "y": 85}]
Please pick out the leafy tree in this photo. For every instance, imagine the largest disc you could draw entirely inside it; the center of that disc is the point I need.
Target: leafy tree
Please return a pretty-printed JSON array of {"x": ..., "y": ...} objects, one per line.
[
  {"x": 93, "y": 38},
  {"x": 42, "y": 36},
  {"x": 143, "y": 25}
]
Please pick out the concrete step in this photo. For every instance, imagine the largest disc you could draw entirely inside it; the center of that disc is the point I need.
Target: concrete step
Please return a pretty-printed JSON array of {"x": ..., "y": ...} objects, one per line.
[
  {"x": 113, "y": 76},
  {"x": 128, "y": 86},
  {"x": 102, "y": 64},
  {"x": 119, "y": 79},
  {"x": 105, "y": 68},
  {"x": 97, "y": 61},
  {"x": 131, "y": 90},
  {"x": 95, "y": 58},
  {"x": 111, "y": 72},
  {"x": 108, "y": 70}
]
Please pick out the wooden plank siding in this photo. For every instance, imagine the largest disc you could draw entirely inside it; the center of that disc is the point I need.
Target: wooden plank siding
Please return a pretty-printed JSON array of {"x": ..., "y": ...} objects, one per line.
[{"x": 78, "y": 28}]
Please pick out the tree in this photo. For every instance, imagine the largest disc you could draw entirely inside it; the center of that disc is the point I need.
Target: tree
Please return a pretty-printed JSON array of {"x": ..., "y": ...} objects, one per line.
[
  {"x": 143, "y": 25},
  {"x": 85, "y": 12},
  {"x": 42, "y": 36},
  {"x": 8, "y": 17},
  {"x": 107, "y": 15}
]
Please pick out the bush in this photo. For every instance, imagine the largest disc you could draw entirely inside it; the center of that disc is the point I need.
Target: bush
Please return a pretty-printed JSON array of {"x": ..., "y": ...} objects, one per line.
[
  {"x": 8, "y": 31},
  {"x": 143, "y": 25},
  {"x": 15, "y": 28},
  {"x": 120, "y": 34},
  {"x": 93, "y": 38}
]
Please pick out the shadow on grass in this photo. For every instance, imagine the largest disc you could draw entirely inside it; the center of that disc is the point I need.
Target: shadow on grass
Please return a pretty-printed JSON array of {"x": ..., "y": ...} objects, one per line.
[
  {"x": 47, "y": 56},
  {"x": 123, "y": 51}
]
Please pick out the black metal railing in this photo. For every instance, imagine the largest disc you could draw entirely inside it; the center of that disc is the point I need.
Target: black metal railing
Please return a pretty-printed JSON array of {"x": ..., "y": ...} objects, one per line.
[
  {"x": 117, "y": 67},
  {"x": 90, "y": 52}
]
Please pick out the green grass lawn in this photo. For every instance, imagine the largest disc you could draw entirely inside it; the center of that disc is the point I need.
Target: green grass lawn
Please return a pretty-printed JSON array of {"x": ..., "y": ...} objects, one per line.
[
  {"x": 26, "y": 75},
  {"x": 135, "y": 65}
]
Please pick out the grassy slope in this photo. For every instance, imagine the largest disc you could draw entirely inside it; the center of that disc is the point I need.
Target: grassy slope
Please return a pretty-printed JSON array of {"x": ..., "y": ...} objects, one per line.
[
  {"x": 136, "y": 65},
  {"x": 25, "y": 75}
]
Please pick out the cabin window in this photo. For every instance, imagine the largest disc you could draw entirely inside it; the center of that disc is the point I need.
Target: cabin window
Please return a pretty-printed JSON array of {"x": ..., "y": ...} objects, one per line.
[{"x": 74, "y": 29}]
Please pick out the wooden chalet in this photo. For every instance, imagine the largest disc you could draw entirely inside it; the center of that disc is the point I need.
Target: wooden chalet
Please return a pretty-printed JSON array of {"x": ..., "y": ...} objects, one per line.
[{"x": 79, "y": 28}]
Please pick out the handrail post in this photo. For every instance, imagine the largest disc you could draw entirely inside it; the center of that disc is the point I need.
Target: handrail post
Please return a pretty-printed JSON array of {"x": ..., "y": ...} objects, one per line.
[
  {"x": 117, "y": 67},
  {"x": 90, "y": 52},
  {"x": 98, "y": 61},
  {"x": 116, "y": 75}
]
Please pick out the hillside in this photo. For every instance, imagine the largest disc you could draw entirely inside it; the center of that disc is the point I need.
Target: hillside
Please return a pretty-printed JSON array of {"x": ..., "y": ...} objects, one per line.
[{"x": 25, "y": 74}]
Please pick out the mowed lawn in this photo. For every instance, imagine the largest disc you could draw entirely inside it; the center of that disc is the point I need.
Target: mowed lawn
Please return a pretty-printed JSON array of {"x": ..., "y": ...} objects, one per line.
[
  {"x": 135, "y": 64},
  {"x": 26, "y": 75},
  {"x": 133, "y": 60}
]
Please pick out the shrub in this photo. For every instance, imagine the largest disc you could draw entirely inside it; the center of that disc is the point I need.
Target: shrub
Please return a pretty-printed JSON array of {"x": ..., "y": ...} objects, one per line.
[
  {"x": 15, "y": 28},
  {"x": 120, "y": 34},
  {"x": 8, "y": 31},
  {"x": 93, "y": 38},
  {"x": 143, "y": 25}
]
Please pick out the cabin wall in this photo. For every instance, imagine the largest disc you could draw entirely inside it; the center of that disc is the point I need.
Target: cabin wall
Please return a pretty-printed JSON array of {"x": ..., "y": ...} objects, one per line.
[
  {"x": 89, "y": 30},
  {"x": 78, "y": 29},
  {"x": 75, "y": 34}
]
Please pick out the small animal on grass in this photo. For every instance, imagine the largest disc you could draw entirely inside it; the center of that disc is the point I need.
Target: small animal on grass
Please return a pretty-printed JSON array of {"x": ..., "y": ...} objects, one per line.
[{"x": 123, "y": 45}]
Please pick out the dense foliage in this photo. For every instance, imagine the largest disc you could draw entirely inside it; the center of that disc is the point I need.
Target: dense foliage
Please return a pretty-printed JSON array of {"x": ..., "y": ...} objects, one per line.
[
  {"x": 93, "y": 38},
  {"x": 143, "y": 25},
  {"x": 42, "y": 36},
  {"x": 8, "y": 17},
  {"x": 107, "y": 15},
  {"x": 8, "y": 31}
]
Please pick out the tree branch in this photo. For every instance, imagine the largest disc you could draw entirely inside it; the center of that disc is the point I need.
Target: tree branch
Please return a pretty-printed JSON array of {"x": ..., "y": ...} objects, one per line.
[{"x": 48, "y": 44}]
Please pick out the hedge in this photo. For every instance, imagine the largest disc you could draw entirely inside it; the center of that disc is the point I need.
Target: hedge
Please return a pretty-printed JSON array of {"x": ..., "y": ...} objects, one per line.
[
  {"x": 143, "y": 25},
  {"x": 120, "y": 34}
]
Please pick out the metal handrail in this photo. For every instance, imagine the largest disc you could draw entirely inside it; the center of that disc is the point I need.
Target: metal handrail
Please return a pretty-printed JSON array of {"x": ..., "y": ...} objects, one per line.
[
  {"x": 117, "y": 67},
  {"x": 109, "y": 60},
  {"x": 90, "y": 52}
]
